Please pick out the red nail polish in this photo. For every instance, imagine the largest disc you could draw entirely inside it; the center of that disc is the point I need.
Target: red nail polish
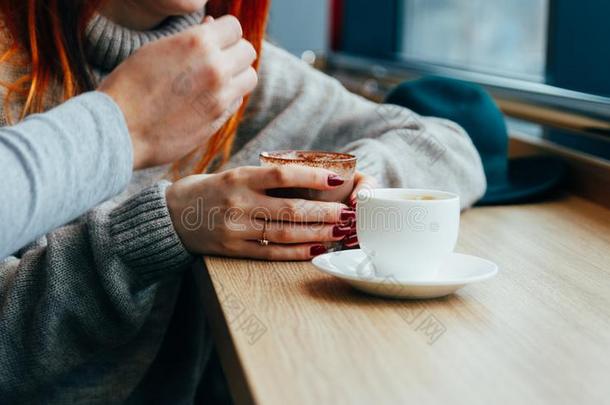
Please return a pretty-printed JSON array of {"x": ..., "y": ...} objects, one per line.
[
  {"x": 351, "y": 222},
  {"x": 334, "y": 180},
  {"x": 351, "y": 240},
  {"x": 339, "y": 231},
  {"x": 347, "y": 215},
  {"x": 318, "y": 250}
]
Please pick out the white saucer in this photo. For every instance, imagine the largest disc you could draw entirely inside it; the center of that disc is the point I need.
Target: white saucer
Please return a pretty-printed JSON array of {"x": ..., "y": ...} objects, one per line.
[{"x": 354, "y": 267}]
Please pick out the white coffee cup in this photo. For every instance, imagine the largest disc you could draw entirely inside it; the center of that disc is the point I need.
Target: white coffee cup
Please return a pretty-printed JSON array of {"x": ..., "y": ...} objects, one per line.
[{"x": 407, "y": 233}]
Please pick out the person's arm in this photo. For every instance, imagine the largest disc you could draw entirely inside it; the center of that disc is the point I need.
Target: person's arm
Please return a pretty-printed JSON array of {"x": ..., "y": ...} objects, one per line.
[
  {"x": 296, "y": 106},
  {"x": 84, "y": 294},
  {"x": 59, "y": 164}
]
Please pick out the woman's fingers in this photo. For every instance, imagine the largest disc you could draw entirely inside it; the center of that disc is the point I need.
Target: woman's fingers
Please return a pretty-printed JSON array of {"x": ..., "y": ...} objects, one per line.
[
  {"x": 351, "y": 241},
  {"x": 361, "y": 182},
  {"x": 239, "y": 57},
  {"x": 240, "y": 85},
  {"x": 300, "y": 211},
  {"x": 225, "y": 31},
  {"x": 265, "y": 178},
  {"x": 273, "y": 252},
  {"x": 294, "y": 177},
  {"x": 285, "y": 233},
  {"x": 291, "y": 233}
]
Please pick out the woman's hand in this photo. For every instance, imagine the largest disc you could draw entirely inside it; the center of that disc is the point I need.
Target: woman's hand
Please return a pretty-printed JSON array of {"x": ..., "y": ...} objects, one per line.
[
  {"x": 227, "y": 213},
  {"x": 362, "y": 182},
  {"x": 177, "y": 91}
]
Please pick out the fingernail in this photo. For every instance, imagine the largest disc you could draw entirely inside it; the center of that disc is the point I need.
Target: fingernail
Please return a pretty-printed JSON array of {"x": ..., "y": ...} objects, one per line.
[
  {"x": 318, "y": 250},
  {"x": 351, "y": 240},
  {"x": 351, "y": 222},
  {"x": 334, "y": 180},
  {"x": 348, "y": 224},
  {"x": 340, "y": 231},
  {"x": 347, "y": 215}
]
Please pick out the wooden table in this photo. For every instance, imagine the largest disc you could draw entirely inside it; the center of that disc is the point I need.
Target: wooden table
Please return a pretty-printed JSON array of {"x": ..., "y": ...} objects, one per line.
[{"x": 537, "y": 333}]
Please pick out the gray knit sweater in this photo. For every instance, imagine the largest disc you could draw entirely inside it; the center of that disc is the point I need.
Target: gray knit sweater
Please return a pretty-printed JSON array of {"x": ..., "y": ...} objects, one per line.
[{"x": 104, "y": 311}]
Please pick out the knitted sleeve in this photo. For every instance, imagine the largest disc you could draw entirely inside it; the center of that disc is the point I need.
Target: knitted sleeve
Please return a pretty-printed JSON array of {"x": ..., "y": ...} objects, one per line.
[{"x": 83, "y": 292}]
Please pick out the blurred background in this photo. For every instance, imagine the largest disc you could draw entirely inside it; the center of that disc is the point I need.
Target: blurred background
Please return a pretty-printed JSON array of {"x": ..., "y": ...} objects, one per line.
[
  {"x": 299, "y": 25},
  {"x": 504, "y": 36},
  {"x": 540, "y": 59}
]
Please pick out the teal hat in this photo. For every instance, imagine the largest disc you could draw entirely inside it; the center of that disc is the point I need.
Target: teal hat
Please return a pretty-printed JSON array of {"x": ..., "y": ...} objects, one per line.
[{"x": 469, "y": 105}]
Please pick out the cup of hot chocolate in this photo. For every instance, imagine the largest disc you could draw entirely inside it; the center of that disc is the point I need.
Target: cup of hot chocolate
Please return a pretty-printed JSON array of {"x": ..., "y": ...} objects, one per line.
[{"x": 343, "y": 164}]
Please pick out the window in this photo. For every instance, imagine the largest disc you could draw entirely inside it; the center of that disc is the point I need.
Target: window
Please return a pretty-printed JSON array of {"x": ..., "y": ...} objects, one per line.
[
  {"x": 545, "y": 53},
  {"x": 492, "y": 36}
]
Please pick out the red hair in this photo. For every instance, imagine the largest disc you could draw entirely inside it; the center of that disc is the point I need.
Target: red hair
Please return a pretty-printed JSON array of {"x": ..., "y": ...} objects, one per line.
[
  {"x": 46, "y": 36},
  {"x": 49, "y": 34}
]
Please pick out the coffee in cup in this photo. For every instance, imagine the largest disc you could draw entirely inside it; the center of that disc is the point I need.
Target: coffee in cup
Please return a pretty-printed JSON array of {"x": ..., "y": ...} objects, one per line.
[{"x": 407, "y": 233}]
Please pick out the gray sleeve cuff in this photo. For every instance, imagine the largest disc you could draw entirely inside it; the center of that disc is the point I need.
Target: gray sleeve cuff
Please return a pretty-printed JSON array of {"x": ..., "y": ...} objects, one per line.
[{"x": 145, "y": 238}]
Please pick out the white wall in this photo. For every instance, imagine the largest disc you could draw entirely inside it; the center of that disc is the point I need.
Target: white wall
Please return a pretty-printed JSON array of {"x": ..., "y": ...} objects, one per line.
[{"x": 300, "y": 25}]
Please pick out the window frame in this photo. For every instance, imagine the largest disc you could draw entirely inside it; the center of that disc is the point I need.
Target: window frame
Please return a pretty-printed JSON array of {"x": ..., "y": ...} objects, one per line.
[{"x": 369, "y": 53}]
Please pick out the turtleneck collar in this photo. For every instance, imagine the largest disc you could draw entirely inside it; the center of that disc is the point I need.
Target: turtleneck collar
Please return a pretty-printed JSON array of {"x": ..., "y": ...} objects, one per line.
[{"x": 108, "y": 44}]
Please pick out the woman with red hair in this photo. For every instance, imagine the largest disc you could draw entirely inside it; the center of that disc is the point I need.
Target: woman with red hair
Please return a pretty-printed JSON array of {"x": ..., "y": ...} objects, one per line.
[
  {"x": 61, "y": 163},
  {"x": 103, "y": 310}
]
